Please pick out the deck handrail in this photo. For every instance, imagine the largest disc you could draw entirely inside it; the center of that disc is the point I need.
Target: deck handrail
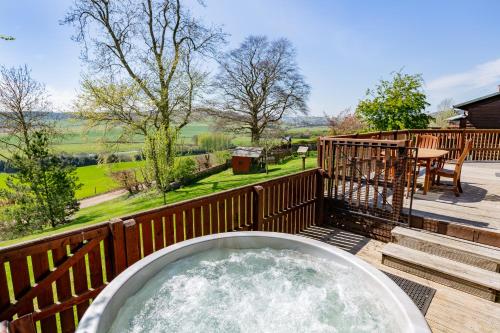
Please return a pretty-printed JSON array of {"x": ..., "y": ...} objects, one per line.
[{"x": 486, "y": 142}]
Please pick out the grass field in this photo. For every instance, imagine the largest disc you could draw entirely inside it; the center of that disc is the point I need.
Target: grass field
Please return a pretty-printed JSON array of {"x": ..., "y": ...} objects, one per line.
[
  {"x": 127, "y": 205},
  {"x": 95, "y": 179},
  {"x": 78, "y": 139}
]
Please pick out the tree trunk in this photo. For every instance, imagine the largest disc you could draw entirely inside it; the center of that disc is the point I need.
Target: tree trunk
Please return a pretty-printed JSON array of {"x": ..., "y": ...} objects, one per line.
[{"x": 255, "y": 136}]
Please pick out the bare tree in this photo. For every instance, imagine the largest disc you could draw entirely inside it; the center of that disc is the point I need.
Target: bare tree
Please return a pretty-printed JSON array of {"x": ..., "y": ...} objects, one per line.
[
  {"x": 258, "y": 84},
  {"x": 23, "y": 108},
  {"x": 42, "y": 190},
  {"x": 144, "y": 63},
  {"x": 346, "y": 122}
]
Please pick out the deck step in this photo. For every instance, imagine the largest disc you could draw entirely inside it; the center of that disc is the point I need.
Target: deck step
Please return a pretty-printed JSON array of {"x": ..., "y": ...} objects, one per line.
[
  {"x": 482, "y": 256},
  {"x": 470, "y": 279}
]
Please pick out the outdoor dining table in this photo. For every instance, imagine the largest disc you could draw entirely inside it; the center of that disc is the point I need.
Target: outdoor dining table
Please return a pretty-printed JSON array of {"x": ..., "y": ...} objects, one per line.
[{"x": 428, "y": 155}]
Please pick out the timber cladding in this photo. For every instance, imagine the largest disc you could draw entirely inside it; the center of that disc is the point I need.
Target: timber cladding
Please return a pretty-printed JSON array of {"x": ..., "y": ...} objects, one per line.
[
  {"x": 484, "y": 115},
  {"x": 50, "y": 282}
]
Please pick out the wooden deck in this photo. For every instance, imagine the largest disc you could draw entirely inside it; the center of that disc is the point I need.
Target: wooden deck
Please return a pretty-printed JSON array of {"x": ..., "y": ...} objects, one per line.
[
  {"x": 478, "y": 206},
  {"x": 450, "y": 310}
]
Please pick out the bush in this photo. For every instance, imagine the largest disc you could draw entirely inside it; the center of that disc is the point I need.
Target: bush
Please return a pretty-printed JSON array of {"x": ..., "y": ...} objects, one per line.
[
  {"x": 127, "y": 179},
  {"x": 221, "y": 157},
  {"x": 184, "y": 169}
]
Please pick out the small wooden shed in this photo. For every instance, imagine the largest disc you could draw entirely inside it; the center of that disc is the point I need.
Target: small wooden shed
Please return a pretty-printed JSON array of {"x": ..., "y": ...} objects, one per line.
[{"x": 247, "y": 160}]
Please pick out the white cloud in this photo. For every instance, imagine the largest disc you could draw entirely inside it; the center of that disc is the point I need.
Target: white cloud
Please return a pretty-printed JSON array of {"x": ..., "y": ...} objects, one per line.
[
  {"x": 482, "y": 78},
  {"x": 61, "y": 98}
]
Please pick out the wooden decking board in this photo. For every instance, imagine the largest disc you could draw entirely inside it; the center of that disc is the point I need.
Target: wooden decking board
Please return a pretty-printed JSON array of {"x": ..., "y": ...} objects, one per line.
[
  {"x": 451, "y": 311},
  {"x": 482, "y": 256},
  {"x": 478, "y": 206},
  {"x": 456, "y": 269}
]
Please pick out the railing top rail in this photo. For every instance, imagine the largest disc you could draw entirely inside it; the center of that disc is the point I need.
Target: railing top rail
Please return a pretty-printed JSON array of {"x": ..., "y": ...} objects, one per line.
[
  {"x": 345, "y": 140},
  {"x": 82, "y": 233}
]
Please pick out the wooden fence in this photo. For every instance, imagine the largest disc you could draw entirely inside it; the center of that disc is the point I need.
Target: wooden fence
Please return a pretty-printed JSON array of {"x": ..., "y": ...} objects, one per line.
[
  {"x": 46, "y": 285},
  {"x": 486, "y": 142}
]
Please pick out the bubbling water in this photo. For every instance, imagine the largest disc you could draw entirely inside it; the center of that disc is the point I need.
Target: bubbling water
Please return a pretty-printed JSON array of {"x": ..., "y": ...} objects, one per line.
[{"x": 254, "y": 290}]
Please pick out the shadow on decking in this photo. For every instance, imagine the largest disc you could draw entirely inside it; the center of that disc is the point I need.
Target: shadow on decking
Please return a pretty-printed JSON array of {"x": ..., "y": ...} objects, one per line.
[
  {"x": 344, "y": 240},
  {"x": 476, "y": 206}
]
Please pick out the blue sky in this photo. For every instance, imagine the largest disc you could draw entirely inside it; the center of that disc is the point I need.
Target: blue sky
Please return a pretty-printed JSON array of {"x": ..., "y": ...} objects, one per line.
[{"x": 344, "y": 47}]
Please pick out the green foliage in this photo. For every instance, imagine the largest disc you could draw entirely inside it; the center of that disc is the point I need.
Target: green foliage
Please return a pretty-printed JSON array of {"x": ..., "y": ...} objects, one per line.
[
  {"x": 221, "y": 156},
  {"x": 5, "y": 37},
  {"x": 42, "y": 192},
  {"x": 214, "y": 141},
  {"x": 184, "y": 168},
  {"x": 159, "y": 150},
  {"x": 395, "y": 104}
]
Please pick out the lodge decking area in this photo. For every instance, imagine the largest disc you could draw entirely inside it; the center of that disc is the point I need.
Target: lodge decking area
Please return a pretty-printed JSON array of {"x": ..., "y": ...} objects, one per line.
[
  {"x": 477, "y": 206},
  {"x": 360, "y": 187}
]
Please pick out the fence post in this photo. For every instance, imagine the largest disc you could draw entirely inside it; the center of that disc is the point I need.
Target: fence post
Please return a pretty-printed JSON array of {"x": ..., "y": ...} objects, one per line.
[
  {"x": 320, "y": 153},
  {"x": 131, "y": 241},
  {"x": 258, "y": 208},
  {"x": 119, "y": 255},
  {"x": 462, "y": 144},
  {"x": 320, "y": 196}
]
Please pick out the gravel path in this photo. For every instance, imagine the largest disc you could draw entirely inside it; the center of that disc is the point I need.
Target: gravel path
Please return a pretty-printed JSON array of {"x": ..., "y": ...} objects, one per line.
[{"x": 92, "y": 201}]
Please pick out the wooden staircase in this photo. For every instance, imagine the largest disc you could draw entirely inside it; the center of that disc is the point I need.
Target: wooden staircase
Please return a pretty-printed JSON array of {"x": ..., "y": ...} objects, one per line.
[{"x": 460, "y": 264}]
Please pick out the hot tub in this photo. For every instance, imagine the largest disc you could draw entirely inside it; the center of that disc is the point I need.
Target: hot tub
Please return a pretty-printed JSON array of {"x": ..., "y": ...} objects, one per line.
[{"x": 252, "y": 282}]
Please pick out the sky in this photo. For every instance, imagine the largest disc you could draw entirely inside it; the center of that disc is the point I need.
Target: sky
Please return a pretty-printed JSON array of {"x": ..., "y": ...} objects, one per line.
[{"x": 343, "y": 47}]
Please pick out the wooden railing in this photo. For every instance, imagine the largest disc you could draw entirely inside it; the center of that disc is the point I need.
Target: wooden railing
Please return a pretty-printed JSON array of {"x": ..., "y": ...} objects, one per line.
[
  {"x": 46, "y": 285},
  {"x": 366, "y": 176},
  {"x": 486, "y": 142}
]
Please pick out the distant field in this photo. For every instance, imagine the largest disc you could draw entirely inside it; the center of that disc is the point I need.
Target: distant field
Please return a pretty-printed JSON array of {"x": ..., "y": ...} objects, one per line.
[{"x": 79, "y": 139}]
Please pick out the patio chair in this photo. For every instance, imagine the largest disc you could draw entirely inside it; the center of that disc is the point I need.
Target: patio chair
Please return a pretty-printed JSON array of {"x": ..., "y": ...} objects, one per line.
[
  {"x": 427, "y": 141},
  {"x": 422, "y": 141},
  {"x": 440, "y": 171}
]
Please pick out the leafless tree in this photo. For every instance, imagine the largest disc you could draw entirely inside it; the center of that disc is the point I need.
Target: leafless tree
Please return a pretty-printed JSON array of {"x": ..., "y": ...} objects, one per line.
[
  {"x": 144, "y": 57},
  {"x": 258, "y": 84},
  {"x": 144, "y": 64},
  {"x": 23, "y": 108}
]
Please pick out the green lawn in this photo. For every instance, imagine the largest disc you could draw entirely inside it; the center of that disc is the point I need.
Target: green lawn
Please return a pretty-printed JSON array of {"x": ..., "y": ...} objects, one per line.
[
  {"x": 95, "y": 179},
  {"x": 127, "y": 205}
]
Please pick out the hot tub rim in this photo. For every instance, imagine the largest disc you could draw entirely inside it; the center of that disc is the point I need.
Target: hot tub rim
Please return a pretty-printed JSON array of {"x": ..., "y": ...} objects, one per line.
[{"x": 91, "y": 321}]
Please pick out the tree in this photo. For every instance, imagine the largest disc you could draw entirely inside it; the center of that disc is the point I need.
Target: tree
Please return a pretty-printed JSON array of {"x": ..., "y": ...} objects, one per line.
[
  {"x": 23, "y": 108},
  {"x": 347, "y": 122},
  {"x": 42, "y": 191},
  {"x": 258, "y": 83},
  {"x": 396, "y": 104},
  {"x": 444, "y": 110},
  {"x": 158, "y": 147},
  {"x": 143, "y": 59},
  {"x": 5, "y": 37}
]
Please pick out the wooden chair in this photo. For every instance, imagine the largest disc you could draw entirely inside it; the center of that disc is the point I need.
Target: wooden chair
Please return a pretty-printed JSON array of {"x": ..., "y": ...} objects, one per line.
[
  {"x": 440, "y": 171},
  {"x": 422, "y": 141},
  {"x": 427, "y": 141}
]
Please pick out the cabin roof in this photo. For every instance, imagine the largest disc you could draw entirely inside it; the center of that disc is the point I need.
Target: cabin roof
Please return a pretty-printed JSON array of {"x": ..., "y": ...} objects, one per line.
[
  {"x": 253, "y": 152},
  {"x": 480, "y": 100}
]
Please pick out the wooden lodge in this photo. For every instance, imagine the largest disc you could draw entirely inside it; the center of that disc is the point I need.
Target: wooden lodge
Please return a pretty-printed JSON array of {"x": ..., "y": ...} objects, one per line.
[{"x": 482, "y": 112}]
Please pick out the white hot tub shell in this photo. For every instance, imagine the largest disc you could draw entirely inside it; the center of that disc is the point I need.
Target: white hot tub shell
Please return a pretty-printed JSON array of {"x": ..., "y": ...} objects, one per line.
[{"x": 101, "y": 314}]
